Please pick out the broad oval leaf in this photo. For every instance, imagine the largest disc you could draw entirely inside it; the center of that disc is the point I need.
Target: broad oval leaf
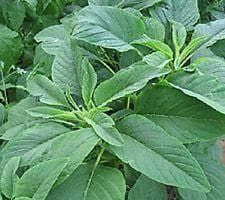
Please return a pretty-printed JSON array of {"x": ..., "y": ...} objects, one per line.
[
  {"x": 206, "y": 83},
  {"x": 182, "y": 116},
  {"x": 107, "y": 183},
  {"x": 131, "y": 79},
  {"x": 158, "y": 155},
  {"x": 37, "y": 181},
  {"x": 108, "y": 27},
  {"x": 146, "y": 189}
]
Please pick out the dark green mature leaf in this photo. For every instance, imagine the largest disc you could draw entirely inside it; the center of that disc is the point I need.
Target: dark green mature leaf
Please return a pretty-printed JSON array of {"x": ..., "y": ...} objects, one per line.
[
  {"x": 75, "y": 145},
  {"x": 154, "y": 29},
  {"x": 103, "y": 127},
  {"x": 38, "y": 180},
  {"x": 52, "y": 38},
  {"x": 32, "y": 4},
  {"x": 89, "y": 81},
  {"x": 67, "y": 68},
  {"x": 183, "y": 11},
  {"x": 9, "y": 177},
  {"x": 10, "y": 46},
  {"x": 105, "y": 2},
  {"x": 206, "y": 83},
  {"x": 48, "y": 91},
  {"x": 213, "y": 31},
  {"x": 19, "y": 119},
  {"x": 140, "y": 4},
  {"x": 158, "y": 155},
  {"x": 215, "y": 173},
  {"x": 107, "y": 183},
  {"x": 146, "y": 189},
  {"x": 183, "y": 117},
  {"x": 219, "y": 48},
  {"x": 108, "y": 27},
  {"x": 32, "y": 142},
  {"x": 131, "y": 79}
]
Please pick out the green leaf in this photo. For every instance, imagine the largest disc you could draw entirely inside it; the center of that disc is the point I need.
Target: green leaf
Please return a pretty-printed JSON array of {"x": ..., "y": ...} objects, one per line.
[
  {"x": 96, "y": 29},
  {"x": 105, "y": 2},
  {"x": 10, "y": 46},
  {"x": 89, "y": 81},
  {"x": 146, "y": 189},
  {"x": 131, "y": 79},
  {"x": 107, "y": 183},
  {"x": 140, "y": 4},
  {"x": 156, "y": 45},
  {"x": 103, "y": 127},
  {"x": 213, "y": 31},
  {"x": 2, "y": 114},
  {"x": 32, "y": 4},
  {"x": 158, "y": 155},
  {"x": 23, "y": 198},
  {"x": 67, "y": 68},
  {"x": 205, "y": 84},
  {"x": 215, "y": 173},
  {"x": 179, "y": 35},
  {"x": 19, "y": 119},
  {"x": 9, "y": 177},
  {"x": 37, "y": 181},
  {"x": 182, "y": 11},
  {"x": 219, "y": 48},
  {"x": 154, "y": 29},
  {"x": 48, "y": 91},
  {"x": 52, "y": 113},
  {"x": 183, "y": 117},
  {"x": 32, "y": 142},
  {"x": 52, "y": 38},
  {"x": 75, "y": 145}
]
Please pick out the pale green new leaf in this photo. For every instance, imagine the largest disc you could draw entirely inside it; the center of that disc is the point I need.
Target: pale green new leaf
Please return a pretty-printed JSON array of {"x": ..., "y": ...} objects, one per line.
[
  {"x": 52, "y": 38},
  {"x": 213, "y": 31},
  {"x": 75, "y": 145},
  {"x": 89, "y": 81},
  {"x": 206, "y": 83},
  {"x": 105, "y": 2},
  {"x": 159, "y": 156},
  {"x": 184, "y": 11},
  {"x": 48, "y": 91},
  {"x": 67, "y": 68},
  {"x": 32, "y": 142},
  {"x": 103, "y": 127},
  {"x": 108, "y": 27},
  {"x": 37, "y": 181},
  {"x": 131, "y": 79},
  {"x": 107, "y": 183},
  {"x": 9, "y": 177},
  {"x": 182, "y": 116},
  {"x": 146, "y": 189}
]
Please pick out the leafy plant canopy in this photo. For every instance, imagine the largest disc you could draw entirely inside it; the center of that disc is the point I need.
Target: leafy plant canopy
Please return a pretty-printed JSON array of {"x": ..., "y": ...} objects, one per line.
[{"x": 112, "y": 99}]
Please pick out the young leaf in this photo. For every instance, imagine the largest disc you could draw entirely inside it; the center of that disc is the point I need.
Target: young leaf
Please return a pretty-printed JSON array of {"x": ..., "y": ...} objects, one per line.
[
  {"x": 183, "y": 117},
  {"x": 89, "y": 81},
  {"x": 103, "y": 127},
  {"x": 158, "y": 155},
  {"x": 48, "y": 91},
  {"x": 206, "y": 83},
  {"x": 130, "y": 79},
  {"x": 66, "y": 69},
  {"x": 146, "y": 189},
  {"x": 96, "y": 29},
  {"x": 9, "y": 177},
  {"x": 107, "y": 183},
  {"x": 75, "y": 145},
  {"x": 179, "y": 35},
  {"x": 38, "y": 180},
  {"x": 32, "y": 142},
  {"x": 105, "y": 2}
]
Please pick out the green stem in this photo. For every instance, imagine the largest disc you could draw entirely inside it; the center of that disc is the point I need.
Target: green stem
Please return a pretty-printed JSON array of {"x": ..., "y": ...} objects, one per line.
[
  {"x": 4, "y": 87},
  {"x": 128, "y": 102},
  {"x": 93, "y": 171},
  {"x": 107, "y": 67}
]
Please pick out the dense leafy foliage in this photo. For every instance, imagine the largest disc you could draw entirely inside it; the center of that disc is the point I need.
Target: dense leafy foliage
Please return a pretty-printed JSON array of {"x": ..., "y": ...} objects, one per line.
[{"x": 112, "y": 99}]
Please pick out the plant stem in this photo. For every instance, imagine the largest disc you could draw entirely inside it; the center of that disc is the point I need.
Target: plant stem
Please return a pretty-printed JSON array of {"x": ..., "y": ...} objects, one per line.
[
  {"x": 128, "y": 102},
  {"x": 93, "y": 171},
  {"x": 107, "y": 67}
]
